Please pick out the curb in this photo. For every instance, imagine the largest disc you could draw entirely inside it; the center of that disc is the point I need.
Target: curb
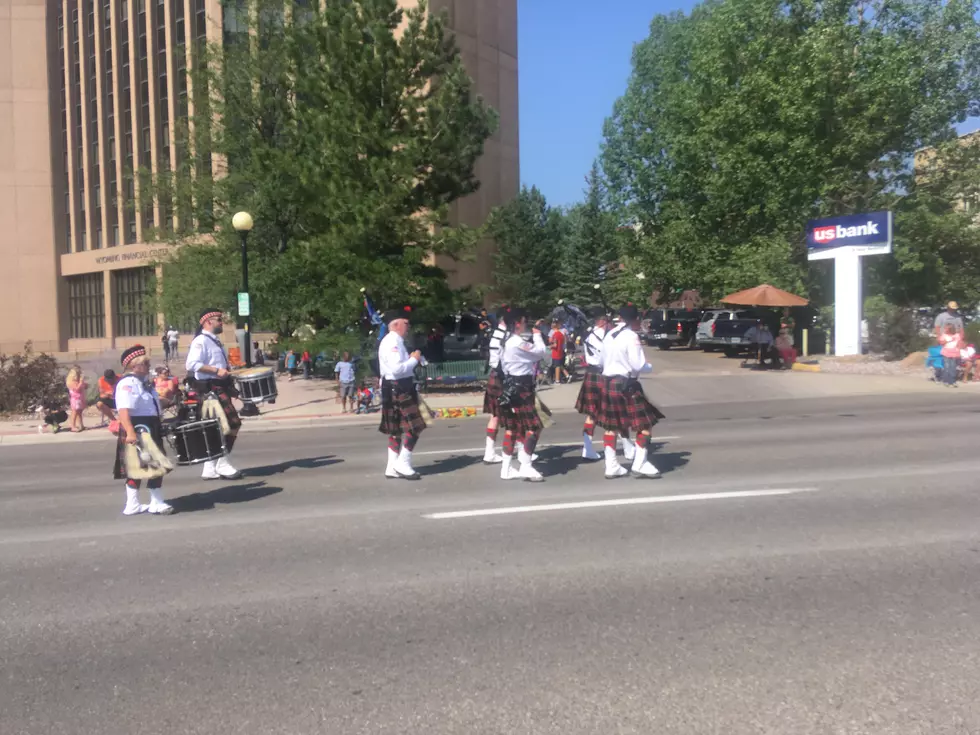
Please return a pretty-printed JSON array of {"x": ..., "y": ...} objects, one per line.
[
  {"x": 260, "y": 424},
  {"x": 806, "y": 368}
]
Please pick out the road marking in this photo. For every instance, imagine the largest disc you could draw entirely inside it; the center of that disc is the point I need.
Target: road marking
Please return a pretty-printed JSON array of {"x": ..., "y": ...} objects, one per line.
[
  {"x": 618, "y": 502},
  {"x": 654, "y": 439}
]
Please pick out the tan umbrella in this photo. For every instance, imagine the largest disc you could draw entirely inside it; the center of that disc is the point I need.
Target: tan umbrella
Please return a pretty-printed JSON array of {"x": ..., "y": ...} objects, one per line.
[{"x": 764, "y": 295}]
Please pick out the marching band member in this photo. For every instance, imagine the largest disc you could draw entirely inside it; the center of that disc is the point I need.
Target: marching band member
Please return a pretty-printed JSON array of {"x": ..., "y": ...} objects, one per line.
[
  {"x": 590, "y": 394},
  {"x": 495, "y": 385},
  {"x": 624, "y": 406},
  {"x": 518, "y": 413},
  {"x": 208, "y": 364},
  {"x": 137, "y": 405},
  {"x": 400, "y": 413}
]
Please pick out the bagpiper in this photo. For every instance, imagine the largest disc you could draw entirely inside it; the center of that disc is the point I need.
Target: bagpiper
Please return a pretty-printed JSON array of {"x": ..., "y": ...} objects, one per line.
[
  {"x": 590, "y": 394},
  {"x": 624, "y": 406},
  {"x": 518, "y": 411},
  {"x": 495, "y": 385},
  {"x": 401, "y": 417},
  {"x": 208, "y": 365}
]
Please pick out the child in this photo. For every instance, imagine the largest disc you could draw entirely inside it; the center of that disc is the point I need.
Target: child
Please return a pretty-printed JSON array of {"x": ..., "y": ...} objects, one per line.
[
  {"x": 77, "y": 387},
  {"x": 365, "y": 397},
  {"x": 53, "y": 417},
  {"x": 952, "y": 343}
]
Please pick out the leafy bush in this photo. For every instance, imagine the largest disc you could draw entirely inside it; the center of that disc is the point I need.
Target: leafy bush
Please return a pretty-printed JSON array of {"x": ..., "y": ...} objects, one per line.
[
  {"x": 28, "y": 380},
  {"x": 892, "y": 331},
  {"x": 972, "y": 331}
]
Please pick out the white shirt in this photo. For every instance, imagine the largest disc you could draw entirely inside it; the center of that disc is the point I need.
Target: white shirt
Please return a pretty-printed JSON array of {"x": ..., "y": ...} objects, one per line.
[
  {"x": 622, "y": 354},
  {"x": 139, "y": 397},
  {"x": 205, "y": 349},
  {"x": 519, "y": 357},
  {"x": 393, "y": 359},
  {"x": 496, "y": 343},
  {"x": 967, "y": 353},
  {"x": 172, "y": 335},
  {"x": 593, "y": 346}
]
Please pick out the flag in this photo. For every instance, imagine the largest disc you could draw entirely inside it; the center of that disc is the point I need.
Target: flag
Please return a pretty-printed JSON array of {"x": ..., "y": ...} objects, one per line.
[{"x": 373, "y": 316}]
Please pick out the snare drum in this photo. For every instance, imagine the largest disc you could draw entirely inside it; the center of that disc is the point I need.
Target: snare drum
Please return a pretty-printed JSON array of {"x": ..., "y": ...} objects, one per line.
[
  {"x": 256, "y": 384},
  {"x": 198, "y": 441}
]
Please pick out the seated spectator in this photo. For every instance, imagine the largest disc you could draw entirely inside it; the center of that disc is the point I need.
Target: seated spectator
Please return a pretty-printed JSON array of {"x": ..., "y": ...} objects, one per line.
[
  {"x": 968, "y": 361},
  {"x": 787, "y": 353},
  {"x": 365, "y": 397},
  {"x": 107, "y": 396},
  {"x": 763, "y": 345},
  {"x": 166, "y": 385}
]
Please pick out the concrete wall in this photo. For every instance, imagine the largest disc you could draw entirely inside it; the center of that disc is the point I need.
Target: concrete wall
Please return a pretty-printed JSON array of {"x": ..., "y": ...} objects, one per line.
[{"x": 32, "y": 299}]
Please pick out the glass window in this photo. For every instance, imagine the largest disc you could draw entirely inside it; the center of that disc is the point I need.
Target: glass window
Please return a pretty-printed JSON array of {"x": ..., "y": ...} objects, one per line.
[
  {"x": 133, "y": 288},
  {"x": 86, "y": 306}
]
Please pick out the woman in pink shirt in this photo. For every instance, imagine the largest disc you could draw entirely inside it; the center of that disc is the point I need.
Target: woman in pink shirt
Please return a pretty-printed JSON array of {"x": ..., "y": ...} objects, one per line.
[{"x": 952, "y": 342}]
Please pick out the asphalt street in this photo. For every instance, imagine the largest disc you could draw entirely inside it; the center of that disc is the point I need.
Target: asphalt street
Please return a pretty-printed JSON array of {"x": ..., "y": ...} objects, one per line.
[{"x": 806, "y": 566}]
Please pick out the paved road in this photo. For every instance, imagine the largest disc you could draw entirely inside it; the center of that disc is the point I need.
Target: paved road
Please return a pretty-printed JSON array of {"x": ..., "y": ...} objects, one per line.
[{"x": 313, "y": 597}]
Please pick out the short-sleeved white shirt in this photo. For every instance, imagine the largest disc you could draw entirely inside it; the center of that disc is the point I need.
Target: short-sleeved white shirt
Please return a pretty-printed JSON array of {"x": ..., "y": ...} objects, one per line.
[{"x": 137, "y": 396}]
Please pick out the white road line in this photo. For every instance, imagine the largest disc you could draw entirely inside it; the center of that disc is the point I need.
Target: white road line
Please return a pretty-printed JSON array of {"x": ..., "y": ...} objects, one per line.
[
  {"x": 540, "y": 446},
  {"x": 617, "y": 502}
]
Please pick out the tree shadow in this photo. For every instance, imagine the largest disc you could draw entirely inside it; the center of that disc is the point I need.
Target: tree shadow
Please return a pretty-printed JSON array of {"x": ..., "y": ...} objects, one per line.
[
  {"x": 242, "y": 493},
  {"x": 442, "y": 466},
  {"x": 310, "y": 463}
]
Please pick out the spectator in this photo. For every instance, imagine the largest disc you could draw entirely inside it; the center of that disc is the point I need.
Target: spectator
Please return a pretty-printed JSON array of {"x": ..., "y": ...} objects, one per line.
[
  {"x": 107, "y": 395},
  {"x": 172, "y": 337},
  {"x": 77, "y": 387},
  {"x": 557, "y": 344},
  {"x": 950, "y": 317},
  {"x": 787, "y": 326},
  {"x": 952, "y": 344},
  {"x": 307, "y": 363},
  {"x": 166, "y": 346},
  {"x": 968, "y": 359},
  {"x": 291, "y": 364},
  {"x": 344, "y": 370},
  {"x": 762, "y": 342},
  {"x": 165, "y": 384},
  {"x": 785, "y": 348},
  {"x": 258, "y": 356}
]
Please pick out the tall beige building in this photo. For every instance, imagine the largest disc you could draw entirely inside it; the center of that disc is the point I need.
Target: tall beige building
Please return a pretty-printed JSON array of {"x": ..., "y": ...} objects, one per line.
[{"x": 90, "y": 90}]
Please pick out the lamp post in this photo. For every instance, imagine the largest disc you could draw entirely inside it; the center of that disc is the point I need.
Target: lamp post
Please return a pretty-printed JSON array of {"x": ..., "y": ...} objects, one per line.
[{"x": 242, "y": 222}]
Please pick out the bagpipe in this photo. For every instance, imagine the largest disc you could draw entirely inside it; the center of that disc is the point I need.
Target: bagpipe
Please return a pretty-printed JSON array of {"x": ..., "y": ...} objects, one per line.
[{"x": 144, "y": 459}]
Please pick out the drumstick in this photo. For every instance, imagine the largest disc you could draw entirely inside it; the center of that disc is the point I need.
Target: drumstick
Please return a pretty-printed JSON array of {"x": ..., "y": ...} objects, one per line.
[{"x": 427, "y": 413}]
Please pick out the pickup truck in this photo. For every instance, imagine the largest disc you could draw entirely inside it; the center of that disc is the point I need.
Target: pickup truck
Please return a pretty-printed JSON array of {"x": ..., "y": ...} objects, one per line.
[
  {"x": 707, "y": 332},
  {"x": 668, "y": 328},
  {"x": 730, "y": 333}
]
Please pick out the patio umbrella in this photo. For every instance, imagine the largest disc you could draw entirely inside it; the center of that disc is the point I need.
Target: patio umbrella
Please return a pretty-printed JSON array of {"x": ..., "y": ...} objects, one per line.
[
  {"x": 764, "y": 295},
  {"x": 564, "y": 311}
]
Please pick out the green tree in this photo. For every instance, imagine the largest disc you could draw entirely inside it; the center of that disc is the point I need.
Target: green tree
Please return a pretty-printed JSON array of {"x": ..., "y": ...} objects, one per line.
[
  {"x": 591, "y": 250},
  {"x": 529, "y": 235},
  {"x": 747, "y": 118},
  {"x": 346, "y": 130}
]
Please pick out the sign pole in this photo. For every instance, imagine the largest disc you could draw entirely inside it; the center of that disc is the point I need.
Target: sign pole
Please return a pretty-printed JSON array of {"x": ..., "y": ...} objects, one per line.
[{"x": 847, "y": 304}]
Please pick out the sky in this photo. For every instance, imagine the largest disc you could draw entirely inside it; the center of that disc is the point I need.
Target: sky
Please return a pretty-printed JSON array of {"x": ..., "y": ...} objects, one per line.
[{"x": 574, "y": 62}]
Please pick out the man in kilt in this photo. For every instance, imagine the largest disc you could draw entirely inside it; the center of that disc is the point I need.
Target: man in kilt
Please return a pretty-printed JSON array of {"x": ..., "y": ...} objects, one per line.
[
  {"x": 207, "y": 364},
  {"x": 624, "y": 407},
  {"x": 495, "y": 385},
  {"x": 137, "y": 405},
  {"x": 400, "y": 413},
  {"x": 590, "y": 394},
  {"x": 518, "y": 413}
]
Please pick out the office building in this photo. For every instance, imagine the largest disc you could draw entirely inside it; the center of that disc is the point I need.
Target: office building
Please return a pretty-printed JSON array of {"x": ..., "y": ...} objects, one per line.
[{"x": 89, "y": 91}]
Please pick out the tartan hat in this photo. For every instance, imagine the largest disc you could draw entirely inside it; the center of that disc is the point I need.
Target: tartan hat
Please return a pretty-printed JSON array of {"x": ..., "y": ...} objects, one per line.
[
  {"x": 629, "y": 313},
  {"x": 131, "y": 354},
  {"x": 207, "y": 314},
  {"x": 402, "y": 312}
]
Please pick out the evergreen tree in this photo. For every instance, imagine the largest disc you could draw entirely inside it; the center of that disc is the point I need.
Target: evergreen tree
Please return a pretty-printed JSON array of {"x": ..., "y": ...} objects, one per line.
[
  {"x": 529, "y": 236},
  {"x": 591, "y": 251},
  {"x": 346, "y": 130}
]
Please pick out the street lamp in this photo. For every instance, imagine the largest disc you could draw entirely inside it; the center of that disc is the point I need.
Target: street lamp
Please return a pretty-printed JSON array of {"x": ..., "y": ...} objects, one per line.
[{"x": 242, "y": 222}]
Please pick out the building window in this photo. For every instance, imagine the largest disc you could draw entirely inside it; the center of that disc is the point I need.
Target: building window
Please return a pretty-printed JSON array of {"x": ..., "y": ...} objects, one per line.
[
  {"x": 133, "y": 315},
  {"x": 86, "y": 306}
]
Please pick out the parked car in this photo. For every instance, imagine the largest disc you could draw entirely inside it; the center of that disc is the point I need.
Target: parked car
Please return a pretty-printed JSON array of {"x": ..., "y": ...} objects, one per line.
[
  {"x": 461, "y": 338},
  {"x": 706, "y": 332},
  {"x": 668, "y": 328}
]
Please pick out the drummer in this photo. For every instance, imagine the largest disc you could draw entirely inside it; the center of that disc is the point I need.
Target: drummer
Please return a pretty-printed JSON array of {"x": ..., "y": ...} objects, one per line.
[
  {"x": 208, "y": 364},
  {"x": 137, "y": 403}
]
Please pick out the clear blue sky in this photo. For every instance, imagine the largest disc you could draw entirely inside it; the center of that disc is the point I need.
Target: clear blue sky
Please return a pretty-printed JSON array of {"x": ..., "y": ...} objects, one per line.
[{"x": 574, "y": 60}]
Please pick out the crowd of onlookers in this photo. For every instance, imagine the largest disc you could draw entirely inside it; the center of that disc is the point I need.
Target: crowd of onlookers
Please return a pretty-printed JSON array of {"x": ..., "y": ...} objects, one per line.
[{"x": 958, "y": 359}]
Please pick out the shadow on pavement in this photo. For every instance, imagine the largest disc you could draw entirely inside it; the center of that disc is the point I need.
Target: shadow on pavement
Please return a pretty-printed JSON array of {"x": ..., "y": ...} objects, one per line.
[
  {"x": 441, "y": 466},
  {"x": 562, "y": 460},
  {"x": 310, "y": 463},
  {"x": 225, "y": 495}
]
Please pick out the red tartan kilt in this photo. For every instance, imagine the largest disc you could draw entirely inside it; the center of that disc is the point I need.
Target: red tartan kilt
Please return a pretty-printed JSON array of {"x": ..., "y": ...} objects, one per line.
[
  {"x": 224, "y": 398},
  {"x": 402, "y": 414},
  {"x": 589, "y": 399},
  {"x": 621, "y": 412},
  {"x": 491, "y": 398},
  {"x": 521, "y": 416}
]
